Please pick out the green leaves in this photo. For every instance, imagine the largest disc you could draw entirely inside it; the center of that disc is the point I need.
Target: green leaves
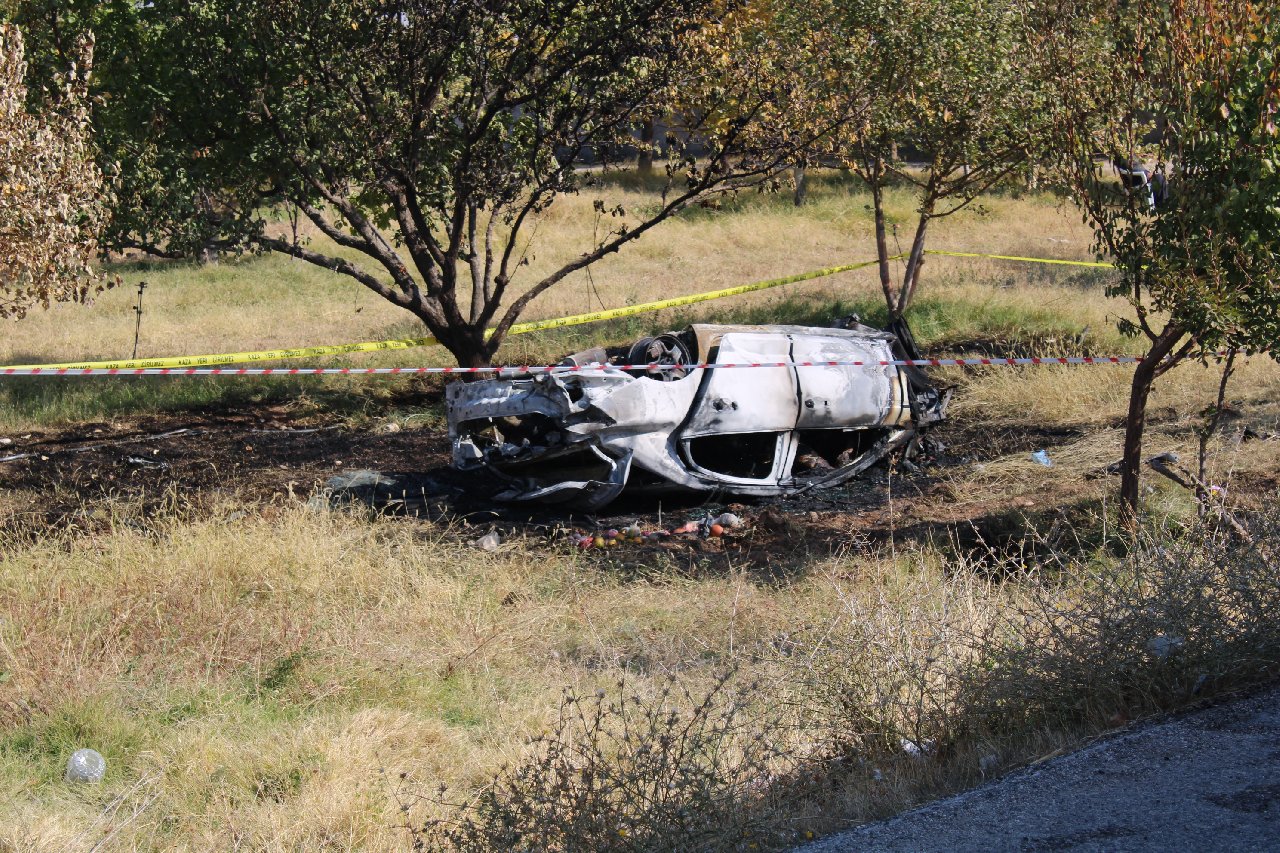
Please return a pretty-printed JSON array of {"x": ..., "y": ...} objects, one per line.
[{"x": 1198, "y": 117}]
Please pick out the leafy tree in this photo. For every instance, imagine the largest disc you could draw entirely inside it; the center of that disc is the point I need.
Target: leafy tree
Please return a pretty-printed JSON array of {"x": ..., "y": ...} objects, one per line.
[
  {"x": 951, "y": 82},
  {"x": 52, "y": 199},
  {"x": 424, "y": 138},
  {"x": 1193, "y": 92}
]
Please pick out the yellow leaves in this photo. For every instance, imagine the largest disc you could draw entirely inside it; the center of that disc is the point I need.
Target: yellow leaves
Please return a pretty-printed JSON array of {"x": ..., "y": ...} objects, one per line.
[{"x": 52, "y": 199}]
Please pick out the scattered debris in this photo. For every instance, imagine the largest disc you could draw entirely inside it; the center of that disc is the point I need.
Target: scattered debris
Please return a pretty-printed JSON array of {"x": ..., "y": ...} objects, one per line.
[
  {"x": 1041, "y": 457},
  {"x": 580, "y": 437},
  {"x": 144, "y": 462},
  {"x": 85, "y": 448},
  {"x": 86, "y": 765},
  {"x": 1251, "y": 434},
  {"x": 490, "y": 541},
  {"x": 923, "y": 749},
  {"x": 710, "y": 527},
  {"x": 363, "y": 478},
  {"x": 1106, "y": 471},
  {"x": 1161, "y": 646}
]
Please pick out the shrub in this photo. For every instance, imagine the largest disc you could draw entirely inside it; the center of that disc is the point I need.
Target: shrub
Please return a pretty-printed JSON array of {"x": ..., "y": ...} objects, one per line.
[{"x": 679, "y": 770}]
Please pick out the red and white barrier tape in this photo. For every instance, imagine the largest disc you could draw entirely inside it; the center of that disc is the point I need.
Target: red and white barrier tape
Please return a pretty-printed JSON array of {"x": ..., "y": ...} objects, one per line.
[{"x": 552, "y": 368}]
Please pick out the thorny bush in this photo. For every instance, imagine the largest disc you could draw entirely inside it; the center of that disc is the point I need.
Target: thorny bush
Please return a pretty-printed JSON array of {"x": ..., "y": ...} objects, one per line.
[
  {"x": 681, "y": 769},
  {"x": 927, "y": 680},
  {"x": 1075, "y": 641}
]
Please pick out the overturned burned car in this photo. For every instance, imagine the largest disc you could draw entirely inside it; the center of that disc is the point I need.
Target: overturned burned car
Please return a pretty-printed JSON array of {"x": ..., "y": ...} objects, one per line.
[{"x": 581, "y": 435}]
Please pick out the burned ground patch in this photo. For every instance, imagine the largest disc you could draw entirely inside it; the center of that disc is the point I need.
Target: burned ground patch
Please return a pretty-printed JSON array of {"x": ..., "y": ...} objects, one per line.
[{"x": 265, "y": 456}]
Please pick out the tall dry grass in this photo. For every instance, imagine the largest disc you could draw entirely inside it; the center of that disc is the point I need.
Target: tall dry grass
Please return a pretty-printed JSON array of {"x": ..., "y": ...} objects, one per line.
[
  {"x": 260, "y": 672},
  {"x": 292, "y": 679},
  {"x": 929, "y": 677}
]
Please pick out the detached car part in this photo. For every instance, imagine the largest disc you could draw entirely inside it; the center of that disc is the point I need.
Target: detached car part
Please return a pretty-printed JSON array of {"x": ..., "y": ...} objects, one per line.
[{"x": 581, "y": 437}]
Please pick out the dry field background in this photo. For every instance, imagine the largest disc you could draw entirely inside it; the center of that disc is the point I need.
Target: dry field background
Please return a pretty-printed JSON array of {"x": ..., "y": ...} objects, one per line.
[{"x": 260, "y": 675}]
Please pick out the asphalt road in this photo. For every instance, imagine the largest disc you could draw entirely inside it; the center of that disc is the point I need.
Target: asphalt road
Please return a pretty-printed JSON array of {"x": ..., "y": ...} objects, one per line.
[{"x": 1208, "y": 780}]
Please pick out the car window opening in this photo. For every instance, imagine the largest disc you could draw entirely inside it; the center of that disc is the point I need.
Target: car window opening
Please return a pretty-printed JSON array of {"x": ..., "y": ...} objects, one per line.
[
  {"x": 820, "y": 451},
  {"x": 748, "y": 456}
]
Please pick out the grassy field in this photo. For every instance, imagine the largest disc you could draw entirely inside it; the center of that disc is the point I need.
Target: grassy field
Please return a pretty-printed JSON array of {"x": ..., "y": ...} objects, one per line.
[{"x": 264, "y": 675}]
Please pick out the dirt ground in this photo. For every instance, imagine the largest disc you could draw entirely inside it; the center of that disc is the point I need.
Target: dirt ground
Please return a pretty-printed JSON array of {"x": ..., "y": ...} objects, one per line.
[{"x": 263, "y": 457}]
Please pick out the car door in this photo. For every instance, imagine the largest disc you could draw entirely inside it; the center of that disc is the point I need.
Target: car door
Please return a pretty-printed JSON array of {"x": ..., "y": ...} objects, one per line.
[
  {"x": 845, "y": 396},
  {"x": 740, "y": 424}
]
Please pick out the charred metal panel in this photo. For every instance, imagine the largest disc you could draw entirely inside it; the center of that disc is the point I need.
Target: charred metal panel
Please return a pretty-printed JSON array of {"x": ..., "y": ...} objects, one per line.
[
  {"x": 753, "y": 399},
  {"x": 846, "y": 397}
]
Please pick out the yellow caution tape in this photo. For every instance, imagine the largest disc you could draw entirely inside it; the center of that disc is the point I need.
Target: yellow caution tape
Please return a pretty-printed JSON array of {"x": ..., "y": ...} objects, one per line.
[
  {"x": 236, "y": 357},
  {"x": 1095, "y": 264},
  {"x": 678, "y": 301},
  {"x": 214, "y": 359},
  {"x": 408, "y": 343}
]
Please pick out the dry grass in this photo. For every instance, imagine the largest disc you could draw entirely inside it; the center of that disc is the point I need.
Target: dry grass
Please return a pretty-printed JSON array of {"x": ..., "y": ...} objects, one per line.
[
  {"x": 262, "y": 303},
  {"x": 1100, "y": 395},
  {"x": 267, "y": 667},
  {"x": 259, "y": 676},
  {"x": 263, "y": 681}
]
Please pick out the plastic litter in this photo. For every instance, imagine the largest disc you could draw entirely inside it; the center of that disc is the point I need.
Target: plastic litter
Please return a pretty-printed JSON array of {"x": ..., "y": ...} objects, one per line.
[
  {"x": 86, "y": 765},
  {"x": 490, "y": 541},
  {"x": 362, "y": 478},
  {"x": 1163, "y": 645},
  {"x": 1042, "y": 457},
  {"x": 917, "y": 750}
]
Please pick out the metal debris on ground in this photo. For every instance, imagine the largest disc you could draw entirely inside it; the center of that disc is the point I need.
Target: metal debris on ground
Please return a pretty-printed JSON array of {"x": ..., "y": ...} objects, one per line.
[{"x": 1162, "y": 646}]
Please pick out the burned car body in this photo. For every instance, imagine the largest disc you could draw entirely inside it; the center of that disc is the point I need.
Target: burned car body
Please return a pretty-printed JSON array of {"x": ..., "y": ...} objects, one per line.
[{"x": 580, "y": 436}]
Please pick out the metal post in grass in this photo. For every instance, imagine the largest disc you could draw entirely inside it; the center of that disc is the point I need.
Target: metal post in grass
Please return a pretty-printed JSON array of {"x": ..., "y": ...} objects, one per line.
[{"x": 137, "y": 323}]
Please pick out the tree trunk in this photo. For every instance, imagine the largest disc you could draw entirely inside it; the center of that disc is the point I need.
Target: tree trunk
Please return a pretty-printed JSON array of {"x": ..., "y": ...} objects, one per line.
[
  {"x": 802, "y": 185},
  {"x": 1136, "y": 421},
  {"x": 882, "y": 238},
  {"x": 644, "y": 162},
  {"x": 470, "y": 348},
  {"x": 1131, "y": 464},
  {"x": 915, "y": 261}
]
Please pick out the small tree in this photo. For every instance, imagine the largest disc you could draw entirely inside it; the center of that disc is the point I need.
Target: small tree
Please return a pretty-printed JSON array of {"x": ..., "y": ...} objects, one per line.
[
  {"x": 1193, "y": 90},
  {"x": 951, "y": 82},
  {"x": 52, "y": 200},
  {"x": 424, "y": 138}
]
